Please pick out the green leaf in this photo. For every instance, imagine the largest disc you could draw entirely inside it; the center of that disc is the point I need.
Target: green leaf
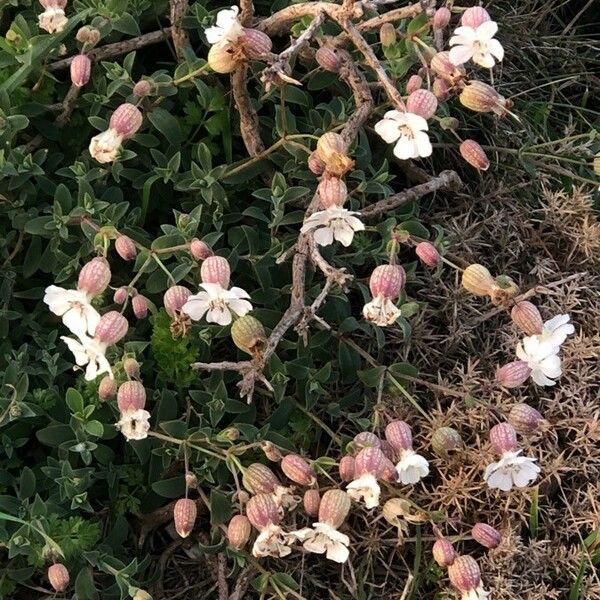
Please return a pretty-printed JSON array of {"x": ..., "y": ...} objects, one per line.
[
  {"x": 170, "y": 488},
  {"x": 74, "y": 400},
  {"x": 84, "y": 585},
  {"x": 220, "y": 508},
  {"x": 167, "y": 124},
  {"x": 26, "y": 483}
]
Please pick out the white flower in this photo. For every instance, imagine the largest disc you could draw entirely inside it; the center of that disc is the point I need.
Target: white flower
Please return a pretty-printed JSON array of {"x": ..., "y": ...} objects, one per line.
[
  {"x": 412, "y": 467},
  {"x": 556, "y": 330},
  {"x": 105, "y": 146},
  {"x": 381, "y": 311},
  {"x": 75, "y": 309},
  {"x": 89, "y": 351},
  {"x": 477, "y": 44},
  {"x": 53, "y": 19},
  {"x": 134, "y": 424},
  {"x": 285, "y": 499},
  {"x": 542, "y": 358},
  {"x": 409, "y": 129},
  {"x": 272, "y": 541},
  {"x": 477, "y": 594},
  {"x": 511, "y": 470},
  {"x": 333, "y": 223},
  {"x": 365, "y": 488},
  {"x": 217, "y": 303},
  {"x": 323, "y": 538},
  {"x": 227, "y": 29}
]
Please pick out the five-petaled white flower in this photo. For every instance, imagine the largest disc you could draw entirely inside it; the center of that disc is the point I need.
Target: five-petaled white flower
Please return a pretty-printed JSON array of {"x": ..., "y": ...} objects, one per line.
[
  {"x": 53, "y": 19},
  {"x": 217, "y": 303},
  {"x": 324, "y": 539},
  {"x": 412, "y": 467},
  {"x": 272, "y": 541},
  {"x": 227, "y": 29},
  {"x": 365, "y": 488},
  {"x": 477, "y": 44},
  {"x": 75, "y": 309},
  {"x": 105, "y": 146},
  {"x": 89, "y": 351},
  {"x": 542, "y": 358},
  {"x": 410, "y": 132},
  {"x": 511, "y": 470},
  {"x": 134, "y": 424},
  {"x": 381, "y": 311},
  {"x": 556, "y": 330},
  {"x": 333, "y": 223}
]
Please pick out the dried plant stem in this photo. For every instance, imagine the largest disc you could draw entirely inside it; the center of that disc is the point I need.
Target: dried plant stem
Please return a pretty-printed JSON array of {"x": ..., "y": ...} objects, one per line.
[
  {"x": 249, "y": 126},
  {"x": 178, "y": 8}
]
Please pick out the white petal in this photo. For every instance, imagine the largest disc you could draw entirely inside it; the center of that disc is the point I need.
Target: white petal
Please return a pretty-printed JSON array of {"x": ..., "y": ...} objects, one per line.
[
  {"x": 344, "y": 234},
  {"x": 423, "y": 144},
  {"x": 323, "y": 236},
  {"x": 460, "y": 54},
  {"x": 538, "y": 377},
  {"x": 485, "y": 60},
  {"x": 78, "y": 350},
  {"x": 466, "y": 32},
  {"x": 240, "y": 307},
  {"x": 416, "y": 122},
  {"x": 237, "y": 292},
  {"x": 337, "y": 552},
  {"x": 487, "y": 30},
  {"x": 76, "y": 322},
  {"x": 500, "y": 480},
  {"x": 495, "y": 48},
  {"x": 196, "y": 307},
  {"x": 405, "y": 148},
  {"x": 551, "y": 366},
  {"x": 221, "y": 316},
  {"x": 388, "y": 130}
]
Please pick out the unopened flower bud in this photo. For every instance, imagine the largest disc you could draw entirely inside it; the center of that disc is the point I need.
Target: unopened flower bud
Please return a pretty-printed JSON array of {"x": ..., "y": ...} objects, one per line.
[
  {"x": 142, "y": 595},
  {"x": 315, "y": 164},
  {"x": 126, "y": 120},
  {"x": 486, "y": 535},
  {"x": 422, "y": 103},
  {"x": 503, "y": 438},
  {"x": 221, "y": 58},
  {"x": 477, "y": 280},
  {"x": 259, "y": 479},
  {"x": 328, "y": 59},
  {"x": 330, "y": 144},
  {"x": 464, "y": 574},
  {"x": 262, "y": 510},
  {"x": 175, "y": 297},
  {"x": 58, "y": 576},
  {"x": 298, "y": 470},
  {"x": 449, "y": 123},
  {"x": 120, "y": 295},
  {"x": 474, "y": 17},
  {"x": 255, "y": 43},
  {"x": 481, "y": 97},
  {"x": 271, "y": 451},
  {"x": 216, "y": 269},
  {"x": 525, "y": 418},
  {"x": 311, "y": 502},
  {"x": 239, "y": 531},
  {"x": 443, "y": 552},
  {"x": 184, "y": 516},
  {"x": 441, "y": 90},
  {"x": 81, "y": 69},
  {"x": 125, "y": 247},
  {"x": 139, "y": 304},
  {"x": 445, "y": 440},
  {"x": 414, "y": 83},
  {"x": 249, "y": 335},
  {"x": 513, "y": 374},
  {"x": 142, "y": 88},
  {"x": 399, "y": 435},
  {"x": 441, "y": 18},
  {"x": 191, "y": 481},
  {"x": 107, "y": 389},
  {"x": 229, "y": 434},
  {"x": 527, "y": 318},
  {"x": 387, "y": 281},
  {"x": 427, "y": 254},
  {"x": 111, "y": 328},
  {"x": 199, "y": 249},
  {"x": 334, "y": 508},
  {"x": 332, "y": 192},
  {"x": 346, "y": 468},
  {"x": 475, "y": 155},
  {"x": 365, "y": 439},
  {"x": 387, "y": 35},
  {"x": 94, "y": 276},
  {"x": 131, "y": 396},
  {"x": 131, "y": 368}
]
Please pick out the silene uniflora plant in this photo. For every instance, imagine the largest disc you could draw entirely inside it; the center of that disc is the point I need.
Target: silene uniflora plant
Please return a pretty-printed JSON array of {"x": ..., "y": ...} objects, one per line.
[{"x": 207, "y": 357}]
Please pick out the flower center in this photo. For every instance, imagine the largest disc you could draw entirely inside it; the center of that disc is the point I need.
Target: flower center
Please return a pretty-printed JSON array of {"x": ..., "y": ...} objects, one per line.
[{"x": 406, "y": 131}]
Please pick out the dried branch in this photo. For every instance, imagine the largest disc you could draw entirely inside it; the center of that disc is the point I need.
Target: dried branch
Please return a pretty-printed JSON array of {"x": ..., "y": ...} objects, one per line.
[
  {"x": 68, "y": 104},
  {"x": 180, "y": 37},
  {"x": 249, "y": 125},
  {"x": 397, "y": 14},
  {"x": 246, "y": 12}
]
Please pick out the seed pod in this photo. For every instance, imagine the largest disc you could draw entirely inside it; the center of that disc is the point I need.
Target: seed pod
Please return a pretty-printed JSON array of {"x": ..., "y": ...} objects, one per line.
[
  {"x": 259, "y": 479},
  {"x": 125, "y": 247},
  {"x": 330, "y": 144},
  {"x": 311, "y": 502},
  {"x": 131, "y": 368},
  {"x": 387, "y": 281},
  {"x": 399, "y": 435},
  {"x": 238, "y": 531},
  {"x": 503, "y": 290},
  {"x": 527, "y": 318},
  {"x": 200, "y": 250},
  {"x": 503, "y": 438},
  {"x": 513, "y": 374},
  {"x": 221, "y": 58},
  {"x": 120, "y": 295},
  {"x": 388, "y": 450},
  {"x": 107, "y": 389},
  {"x": 184, "y": 516},
  {"x": 427, "y": 254},
  {"x": 332, "y": 192},
  {"x": 94, "y": 276},
  {"x": 249, "y": 335},
  {"x": 142, "y": 88},
  {"x": 477, "y": 280},
  {"x": 142, "y": 595},
  {"x": 315, "y": 164},
  {"x": 525, "y": 418},
  {"x": 328, "y": 59},
  {"x": 346, "y": 468},
  {"x": 373, "y": 461},
  {"x": 111, "y": 328},
  {"x": 475, "y": 155},
  {"x": 126, "y": 120},
  {"x": 262, "y": 510},
  {"x": 414, "y": 83},
  {"x": 271, "y": 451},
  {"x": 445, "y": 440},
  {"x": 443, "y": 552},
  {"x": 441, "y": 18},
  {"x": 334, "y": 508},
  {"x": 216, "y": 269},
  {"x": 486, "y": 535},
  {"x": 175, "y": 297},
  {"x": 365, "y": 439},
  {"x": 131, "y": 396},
  {"x": 58, "y": 576},
  {"x": 387, "y": 35},
  {"x": 481, "y": 97},
  {"x": 441, "y": 66},
  {"x": 139, "y": 304},
  {"x": 81, "y": 69},
  {"x": 298, "y": 470},
  {"x": 464, "y": 574},
  {"x": 255, "y": 43},
  {"x": 474, "y": 17},
  {"x": 441, "y": 90},
  {"x": 449, "y": 123},
  {"x": 422, "y": 103}
]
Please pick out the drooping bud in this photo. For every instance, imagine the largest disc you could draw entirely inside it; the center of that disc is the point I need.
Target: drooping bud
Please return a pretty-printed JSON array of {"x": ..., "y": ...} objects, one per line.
[
  {"x": 486, "y": 535},
  {"x": 332, "y": 192},
  {"x": 249, "y": 335},
  {"x": 422, "y": 103},
  {"x": 527, "y": 318},
  {"x": 142, "y": 88},
  {"x": 131, "y": 368},
  {"x": 328, "y": 59},
  {"x": 255, "y": 43},
  {"x": 399, "y": 435},
  {"x": 126, "y": 120},
  {"x": 513, "y": 374},
  {"x": 481, "y": 97},
  {"x": 525, "y": 418},
  {"x": 503, "y": 438},
  {"x": 216, "y": 269},
  {"x": 477, "y": 280},
  {"x": 81, "y": 69},
  {"x": 474, "y": 17},
  {"x": 175, "y": 297},
  {"x": 298, "y": 470},
  {"x": 387, "y": 281},
  {"x": 441, "y": 18},
  {"x": 238, "y": 531},
  {"x": 441, "y": 90},
  {"x": 414, "y": 83},
  {"x": 443, "y": 552},
  {"x": 120, "y": 295},
  {"x": 330, "y": 144},
  {"x": 131, "y": 396},
  {"x": 111, "y": 328},
  {"x": 58, "y": 576},
  {"x": 271, "y": 451},
  {"x": 387, "y": 35},
  {"x": 259, "y": 479},
  {"x": 191, "y": 481},
  {"x": 441, "y": 66},
  {"x": 199, "y": 249},
  {"x": 221, "y": 58},
  {"x": 475, "y": 155},
  {"x": 427, "y": 254},
  {"x": 365, "y": 439},
  {"x": 334, "y": 508},
  {"x": 503, "y": 290},
  {"x": 464, "y": 574},
  {"x": 373, "y": 461},
  {"x": 446, "y": 440},
  {"x": 94, "y": 276},
  {"x": 139, "y": 304},
  {"x": 262, "y": 510},
  {"x": 125, "y": 247},
  {"x": 311, "y": 502},
  {"x": 184, "y": 516},
  {"x": 107, "y": 389},
  {"x": 315, "y": 164},
  {"x": 346, "y": 468}
]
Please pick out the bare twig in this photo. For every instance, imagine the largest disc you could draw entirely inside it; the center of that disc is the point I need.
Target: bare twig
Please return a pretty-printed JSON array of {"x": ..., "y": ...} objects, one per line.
[
  {"x": 242, "y": 584},
  {"x": 246, "y": 12},
  {"x": 249, "y": 125},
  {"x": 397, "y": 14},
  {"x": 180, "y": 37}
]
